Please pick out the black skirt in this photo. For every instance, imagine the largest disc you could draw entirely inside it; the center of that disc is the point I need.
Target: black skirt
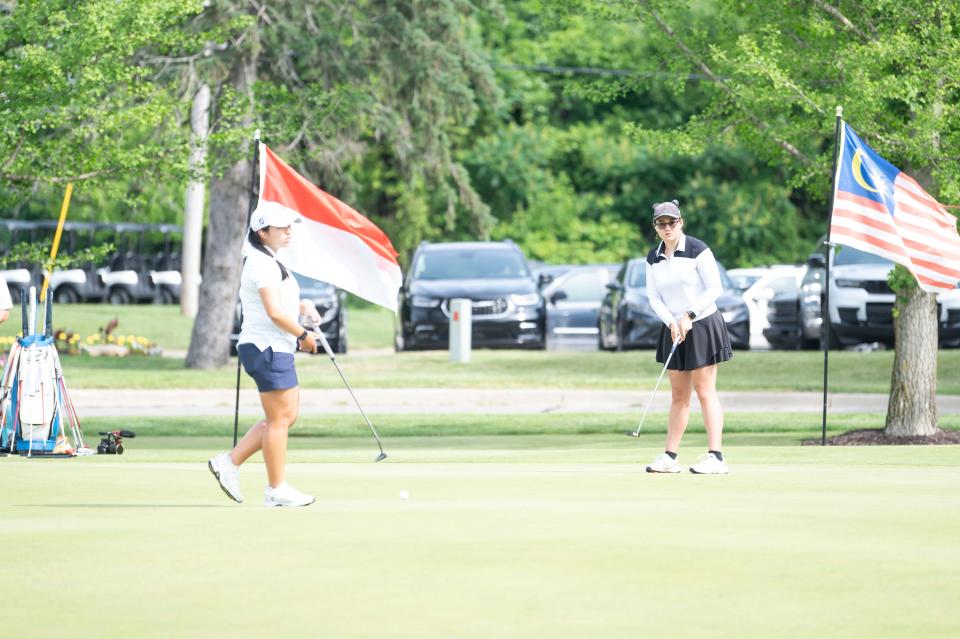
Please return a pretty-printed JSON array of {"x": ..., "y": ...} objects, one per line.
[{"x": 706, "y": 343}]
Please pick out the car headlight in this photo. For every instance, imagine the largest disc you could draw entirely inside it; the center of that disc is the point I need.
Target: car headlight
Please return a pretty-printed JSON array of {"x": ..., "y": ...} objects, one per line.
[
  {"x": 424, "y": 301},
  {"x": 850, "y": 284},
  {"x": 527, "y": 299}
]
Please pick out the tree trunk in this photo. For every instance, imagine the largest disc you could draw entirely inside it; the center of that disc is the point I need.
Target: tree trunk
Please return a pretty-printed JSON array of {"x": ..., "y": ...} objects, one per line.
[
  {"x": 193, "y": 209},
  {"x": 229, "y": 207},
  {"x": 912, "y": 408},
  {"x": 229, "y": 199}
]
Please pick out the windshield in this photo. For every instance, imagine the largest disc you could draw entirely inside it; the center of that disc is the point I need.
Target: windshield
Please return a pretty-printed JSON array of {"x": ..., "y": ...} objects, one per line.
[
  {"x": 743, "y": 282},
  {"x": 470, "y": 264},
  {"x": 310, "y": 283},
  {"x": 850, "y": 255},
  {"x": 637, "y": 275}
]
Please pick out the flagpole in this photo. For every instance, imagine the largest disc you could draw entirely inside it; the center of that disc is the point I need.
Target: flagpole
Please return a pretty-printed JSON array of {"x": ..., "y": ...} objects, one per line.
[
  {"x": 254, "y": 195},
  {"x": 825, "y": 311}
]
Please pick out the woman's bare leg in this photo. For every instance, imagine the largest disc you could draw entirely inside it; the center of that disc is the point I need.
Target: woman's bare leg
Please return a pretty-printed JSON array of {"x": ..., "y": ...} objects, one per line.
[
  {"x": 281, "y": 408},
  {"x": 705, "y": 383},
  {"x": 680, "y": 389}
]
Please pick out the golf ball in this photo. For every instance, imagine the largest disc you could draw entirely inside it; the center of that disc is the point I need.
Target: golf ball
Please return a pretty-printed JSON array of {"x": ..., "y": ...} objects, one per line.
[{"x": 404, "y": 494}]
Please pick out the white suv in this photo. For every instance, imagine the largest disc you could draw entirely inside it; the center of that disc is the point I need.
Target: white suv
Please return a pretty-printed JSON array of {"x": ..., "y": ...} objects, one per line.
[{"x": 861, "y": 302}]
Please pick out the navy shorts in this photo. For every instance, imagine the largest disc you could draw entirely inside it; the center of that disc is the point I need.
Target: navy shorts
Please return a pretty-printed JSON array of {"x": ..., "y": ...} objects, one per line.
[{"x": 271, "y": 371}]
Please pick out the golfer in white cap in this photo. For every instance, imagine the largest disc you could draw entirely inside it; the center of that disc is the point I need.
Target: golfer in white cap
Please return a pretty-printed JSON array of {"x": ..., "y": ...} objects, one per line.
[{"x": 270, "y": 301}]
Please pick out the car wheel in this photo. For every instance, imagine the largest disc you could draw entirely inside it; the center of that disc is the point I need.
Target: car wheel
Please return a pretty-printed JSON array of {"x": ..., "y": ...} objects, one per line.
[
  {"x": 399, "y": 344},
  {"x": 166, "y": 296},
  {"x": 66, "y": 295},
  {"x": 119, "y": 295},
  {"x": 601, "y": 345},
  {"x": 341, "y": 334}
]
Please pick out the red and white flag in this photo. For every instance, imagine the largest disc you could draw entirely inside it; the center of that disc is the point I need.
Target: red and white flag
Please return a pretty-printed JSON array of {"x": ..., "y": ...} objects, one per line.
[
  {"x": 881, "y": 210},
  {"x": 334, "y": 243}
]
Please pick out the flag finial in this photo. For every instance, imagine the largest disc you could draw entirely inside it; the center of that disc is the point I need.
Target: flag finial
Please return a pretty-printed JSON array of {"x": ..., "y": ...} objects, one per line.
[{"x": 839, "y": 111}]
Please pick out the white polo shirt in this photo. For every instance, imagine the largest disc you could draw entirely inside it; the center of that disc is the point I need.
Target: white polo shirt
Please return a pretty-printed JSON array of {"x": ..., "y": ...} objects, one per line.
[
  {"x": 261, "y": 271},
  {"x": 688, "y": 281}
]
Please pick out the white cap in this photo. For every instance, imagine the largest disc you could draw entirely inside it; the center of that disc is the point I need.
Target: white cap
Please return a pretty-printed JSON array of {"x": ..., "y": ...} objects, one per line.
[{"x": 272, "y": 214}]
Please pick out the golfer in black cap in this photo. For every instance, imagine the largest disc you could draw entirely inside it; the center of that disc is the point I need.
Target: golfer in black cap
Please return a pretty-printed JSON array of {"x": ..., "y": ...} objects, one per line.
[{"x": 683, "y": 284}]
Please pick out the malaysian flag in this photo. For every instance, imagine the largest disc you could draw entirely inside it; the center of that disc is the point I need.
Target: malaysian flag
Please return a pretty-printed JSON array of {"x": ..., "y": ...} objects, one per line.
[{"x": 881, "y": 210}]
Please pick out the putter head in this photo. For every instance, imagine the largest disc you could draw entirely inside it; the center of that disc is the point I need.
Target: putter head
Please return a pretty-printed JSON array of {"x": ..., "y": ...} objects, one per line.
[
  {"x": 632, "y": 433},
  {"x": 380, "y": 457}
]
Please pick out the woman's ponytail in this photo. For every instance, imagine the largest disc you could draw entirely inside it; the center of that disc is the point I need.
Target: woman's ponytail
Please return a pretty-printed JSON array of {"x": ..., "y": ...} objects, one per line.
[{"x": 254, "y": 238}]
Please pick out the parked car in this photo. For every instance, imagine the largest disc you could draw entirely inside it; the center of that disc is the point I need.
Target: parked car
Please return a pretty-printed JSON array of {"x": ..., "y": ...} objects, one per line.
[
  {"x": 507, "y": 308},
  {"x": 330, "y": 303},
  {"x": 744, "y": 278},
  {"x": 573, "y": 303},
  {"x": 543, "y": 274},
  {"x": 784, "y": 329},
  {"x": 861, "y": 302},
  {"x": 768, "y": 282},
  {"x": 626, "y": 319}
]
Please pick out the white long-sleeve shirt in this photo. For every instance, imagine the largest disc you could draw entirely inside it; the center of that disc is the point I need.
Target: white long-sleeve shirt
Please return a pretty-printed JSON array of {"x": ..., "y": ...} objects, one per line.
[{"x": 688, "y": 281}]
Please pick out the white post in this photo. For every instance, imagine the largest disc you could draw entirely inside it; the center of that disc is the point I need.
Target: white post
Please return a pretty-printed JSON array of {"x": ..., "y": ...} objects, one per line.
[
  {"x": 31, "y": 312},
  {"x": 194, "y": 206},
  {"x": 461, "y": 324}
]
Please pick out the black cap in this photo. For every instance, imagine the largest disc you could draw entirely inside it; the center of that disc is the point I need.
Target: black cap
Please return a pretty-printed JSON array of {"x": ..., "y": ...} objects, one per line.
[{"x": 670, "y": 209}]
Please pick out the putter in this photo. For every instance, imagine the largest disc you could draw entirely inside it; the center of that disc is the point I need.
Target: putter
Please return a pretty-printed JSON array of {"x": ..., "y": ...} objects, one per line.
[
  {"x": 326, "y": 347},
  {"x": 636, "y": 433}
]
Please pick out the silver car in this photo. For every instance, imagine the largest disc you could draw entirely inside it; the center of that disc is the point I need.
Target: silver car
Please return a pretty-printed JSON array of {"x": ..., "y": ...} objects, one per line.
[{"x": 573, "y": 302}]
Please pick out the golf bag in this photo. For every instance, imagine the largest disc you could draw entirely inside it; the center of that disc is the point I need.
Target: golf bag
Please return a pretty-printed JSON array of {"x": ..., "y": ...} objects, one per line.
[{"x": 37, "y": 417}]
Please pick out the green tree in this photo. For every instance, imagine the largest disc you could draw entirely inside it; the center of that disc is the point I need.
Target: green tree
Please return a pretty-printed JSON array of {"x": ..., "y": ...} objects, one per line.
[
  {"x": 367, "y": 98},
  {"x": 568, "y": 182},
  {"x": 80, "y": 101},
  {"x": 775, "y": 71}
]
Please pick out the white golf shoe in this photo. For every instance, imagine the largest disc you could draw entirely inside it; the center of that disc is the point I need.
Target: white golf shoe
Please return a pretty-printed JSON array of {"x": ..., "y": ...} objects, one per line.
[
  {"x": 285, "y": 495},
  {"x": 709, "y": 464},
  {"x": 664, "y": 463},
  {"x": 228, "y": 475}
]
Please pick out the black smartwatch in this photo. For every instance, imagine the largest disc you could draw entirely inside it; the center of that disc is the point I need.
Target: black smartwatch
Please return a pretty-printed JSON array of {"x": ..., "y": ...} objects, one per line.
[
  {"x": 303, "y": 336},
  {"x": 691, "y": 315}
]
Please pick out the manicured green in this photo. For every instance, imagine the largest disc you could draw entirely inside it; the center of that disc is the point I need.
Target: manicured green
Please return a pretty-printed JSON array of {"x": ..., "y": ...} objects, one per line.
[
  {"x": 559, "y": 536},
  {"x": 793, "y": 427}
]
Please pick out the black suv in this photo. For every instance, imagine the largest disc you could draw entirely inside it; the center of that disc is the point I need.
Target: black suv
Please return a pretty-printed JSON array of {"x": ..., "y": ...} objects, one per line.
[{"x": 508, "y": 310}]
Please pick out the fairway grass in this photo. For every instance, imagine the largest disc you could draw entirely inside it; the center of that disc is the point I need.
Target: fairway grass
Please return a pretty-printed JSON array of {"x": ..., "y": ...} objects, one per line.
[{"x": 522, "y": 536}]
